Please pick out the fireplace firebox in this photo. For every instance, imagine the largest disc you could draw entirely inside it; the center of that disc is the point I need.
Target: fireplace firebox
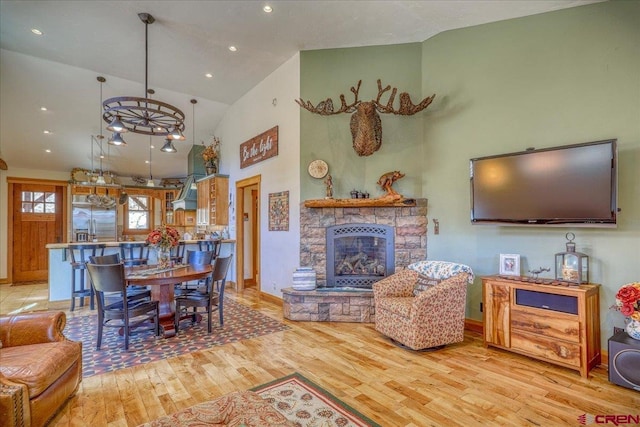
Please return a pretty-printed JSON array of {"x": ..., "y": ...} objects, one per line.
[{"x": 358, "y": 255}]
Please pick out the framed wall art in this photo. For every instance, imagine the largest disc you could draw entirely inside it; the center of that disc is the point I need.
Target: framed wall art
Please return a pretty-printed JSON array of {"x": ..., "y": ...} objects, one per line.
[
  {"x": 510, "y": 264},
  {"x": 279, "y": 211}
]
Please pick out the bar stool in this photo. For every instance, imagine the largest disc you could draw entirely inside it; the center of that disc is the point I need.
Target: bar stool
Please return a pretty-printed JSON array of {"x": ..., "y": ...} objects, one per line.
[
  {"x": 79, "y": 257},
  {"x": 134, "y": 253},
  {"x": 177, "y": 253},
  {"x": 210, "y": 245}
]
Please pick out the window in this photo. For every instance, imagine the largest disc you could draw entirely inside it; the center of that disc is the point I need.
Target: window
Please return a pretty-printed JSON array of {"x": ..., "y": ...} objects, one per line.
[
  {"x": 138, "y": 214},
  {"x": 38, "y": 202}
]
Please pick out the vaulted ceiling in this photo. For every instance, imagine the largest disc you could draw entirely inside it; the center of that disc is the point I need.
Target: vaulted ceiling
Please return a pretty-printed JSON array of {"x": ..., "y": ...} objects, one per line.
[{"x": 82, "y": 40}]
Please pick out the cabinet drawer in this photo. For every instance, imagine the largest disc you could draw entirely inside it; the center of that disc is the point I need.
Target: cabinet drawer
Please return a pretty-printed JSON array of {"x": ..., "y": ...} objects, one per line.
[
  {"x": 549, "y": 325},
  {"x": 548, "y": 348}
]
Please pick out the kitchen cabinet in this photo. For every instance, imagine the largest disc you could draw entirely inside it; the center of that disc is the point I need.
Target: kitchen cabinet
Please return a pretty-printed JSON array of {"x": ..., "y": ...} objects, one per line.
[
  {"x": 77, "y": 189},
  {"x": 212, "y": 205},
  {"x": 552, "y": 322},
  {"x": 168, "y": 214}
]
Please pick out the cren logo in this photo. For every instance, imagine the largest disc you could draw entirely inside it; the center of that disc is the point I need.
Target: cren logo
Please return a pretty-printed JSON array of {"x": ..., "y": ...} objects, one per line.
[{"x": 586, "y": 419}]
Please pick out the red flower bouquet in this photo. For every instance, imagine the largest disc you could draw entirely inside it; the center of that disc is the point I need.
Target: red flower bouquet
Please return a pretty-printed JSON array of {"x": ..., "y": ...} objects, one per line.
[
  {"x": 163, "y": 237},
  {"x": 628, "y": 300}
]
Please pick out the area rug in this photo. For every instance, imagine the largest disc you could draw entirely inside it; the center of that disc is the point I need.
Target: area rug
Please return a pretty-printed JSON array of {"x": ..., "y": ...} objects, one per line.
[
  {"x": 309, "y": 405},
  {"x": 240, "y": 323}
]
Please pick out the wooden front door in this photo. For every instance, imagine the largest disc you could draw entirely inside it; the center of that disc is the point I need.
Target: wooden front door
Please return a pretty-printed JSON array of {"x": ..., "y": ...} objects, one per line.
[{"x": 38, "y": 219}]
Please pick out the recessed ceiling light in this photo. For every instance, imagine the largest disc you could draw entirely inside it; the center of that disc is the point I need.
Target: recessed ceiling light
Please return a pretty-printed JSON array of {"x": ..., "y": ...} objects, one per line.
[
  {"x": 147, "y": 161},
  {"x": 47, "y": 132},
  {"x": 43, "y": 108},
  {"x": 208, "y": 75},
  {"x": 233, "y": 48},
  {"x": 47, "y": 150},
  {"x": 36, "y": 31},
  {"x": 267, "y": 9}
]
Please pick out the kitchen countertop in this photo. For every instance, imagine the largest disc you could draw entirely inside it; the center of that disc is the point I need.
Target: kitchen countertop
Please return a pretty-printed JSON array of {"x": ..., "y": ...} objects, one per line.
[{"x": 115, "y": 244}]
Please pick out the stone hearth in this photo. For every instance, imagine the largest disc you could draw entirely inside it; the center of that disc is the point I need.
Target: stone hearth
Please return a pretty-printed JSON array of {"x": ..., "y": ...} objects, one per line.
[{"x": 328, "y": 306}]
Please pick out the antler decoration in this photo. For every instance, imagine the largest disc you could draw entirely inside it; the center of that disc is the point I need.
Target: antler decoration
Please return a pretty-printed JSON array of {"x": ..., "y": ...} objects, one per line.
[{"x": 366, "y": 126}]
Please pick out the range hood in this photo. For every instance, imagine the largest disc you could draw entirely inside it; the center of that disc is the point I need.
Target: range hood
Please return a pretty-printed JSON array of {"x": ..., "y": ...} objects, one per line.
[{"x": 188, "y": 197}]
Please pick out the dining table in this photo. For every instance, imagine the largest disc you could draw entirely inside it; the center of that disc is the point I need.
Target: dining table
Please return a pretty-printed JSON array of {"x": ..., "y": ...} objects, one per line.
[{"x": 162, "y": 283}]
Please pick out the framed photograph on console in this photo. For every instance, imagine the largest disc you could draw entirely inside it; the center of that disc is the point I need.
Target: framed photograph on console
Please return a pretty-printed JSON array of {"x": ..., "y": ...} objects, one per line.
[{"x": 510, "y": 264}]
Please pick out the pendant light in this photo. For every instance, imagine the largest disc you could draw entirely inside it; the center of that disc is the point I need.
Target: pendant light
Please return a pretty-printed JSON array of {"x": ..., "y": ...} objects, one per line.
[
  {"x": 143, "y": 115},
  {"x": 168, "y": 146},
  {"x": 194, "y": 186},
  {"x": 150, "y": 182},
  {"x": 100, "y": 180}
]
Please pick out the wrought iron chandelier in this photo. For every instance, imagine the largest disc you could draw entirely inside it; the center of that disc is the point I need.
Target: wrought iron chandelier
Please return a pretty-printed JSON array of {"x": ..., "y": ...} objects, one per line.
[{"x": 143, "y": 115}]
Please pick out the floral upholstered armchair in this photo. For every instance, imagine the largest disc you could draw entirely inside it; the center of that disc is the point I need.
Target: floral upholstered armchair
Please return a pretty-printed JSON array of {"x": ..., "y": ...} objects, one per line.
[{"x": 423, "y": 306}]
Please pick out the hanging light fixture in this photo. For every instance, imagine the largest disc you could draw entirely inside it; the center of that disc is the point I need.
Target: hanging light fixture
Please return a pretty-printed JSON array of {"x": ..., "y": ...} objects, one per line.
[
  {"x": 150, "y": 182},
  {"x": 100, "y": 180},
  {"x": 168, "y": 146},
  {"x": 142, "y": 115},
  {"x": 194, "y": 186}
]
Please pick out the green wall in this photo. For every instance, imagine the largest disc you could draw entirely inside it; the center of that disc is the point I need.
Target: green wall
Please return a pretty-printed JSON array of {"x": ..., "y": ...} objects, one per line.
[
  {"x": 551, "y": 79},
  {"x": 332, "y": 72}
]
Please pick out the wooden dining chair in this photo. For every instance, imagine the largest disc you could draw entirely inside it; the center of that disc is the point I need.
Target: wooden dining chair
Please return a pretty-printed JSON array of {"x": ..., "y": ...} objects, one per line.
[
  {"x": 134, "y": 253},
  {"x": 123, "y": 313},
  {"x": 133, "y": 292},
  {"x": 209, "y": 297},
  {"x": 197, "y": 258},
  {"x": 177, "y": 253},
  {"x": 211, "y": 245}
]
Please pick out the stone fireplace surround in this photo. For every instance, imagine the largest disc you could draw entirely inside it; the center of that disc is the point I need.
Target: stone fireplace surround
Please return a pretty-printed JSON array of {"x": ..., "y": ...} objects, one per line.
[{"x": 410, "y": 225}]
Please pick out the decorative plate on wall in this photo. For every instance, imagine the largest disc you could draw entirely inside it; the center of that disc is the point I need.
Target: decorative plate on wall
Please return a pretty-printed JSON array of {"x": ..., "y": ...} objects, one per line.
[{"x": 318, "y": 168}]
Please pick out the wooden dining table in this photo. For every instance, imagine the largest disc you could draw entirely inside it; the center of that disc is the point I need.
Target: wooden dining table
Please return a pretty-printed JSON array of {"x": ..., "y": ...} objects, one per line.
[{"x": 162, "y": 284}]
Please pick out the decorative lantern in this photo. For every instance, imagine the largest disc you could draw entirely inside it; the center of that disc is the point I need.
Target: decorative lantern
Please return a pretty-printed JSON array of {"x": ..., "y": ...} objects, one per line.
[{"x": 572, "y": 266}]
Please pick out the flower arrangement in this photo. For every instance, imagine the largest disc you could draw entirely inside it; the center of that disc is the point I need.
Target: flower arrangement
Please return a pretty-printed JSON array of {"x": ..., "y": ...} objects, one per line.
[
  {"x": 211, "y": 152},
  {"x": 628, "y": 300},
  {"x": 163, "y": 237}
]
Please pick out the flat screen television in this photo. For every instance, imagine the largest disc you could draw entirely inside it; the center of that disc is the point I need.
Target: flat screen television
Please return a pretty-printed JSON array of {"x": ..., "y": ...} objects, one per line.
[{"x": 572, "y": 185}]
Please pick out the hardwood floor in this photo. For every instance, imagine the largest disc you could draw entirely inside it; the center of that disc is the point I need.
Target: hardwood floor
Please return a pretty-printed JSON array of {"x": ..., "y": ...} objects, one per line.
[{"x": 463, "y": 384}]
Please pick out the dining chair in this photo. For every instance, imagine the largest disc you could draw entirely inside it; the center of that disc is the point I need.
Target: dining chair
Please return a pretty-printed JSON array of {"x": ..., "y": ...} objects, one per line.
[
  {"x": 177, "y": 253},
  {"x": 134, "y": 253},
  {"x": 133, "y": 292},
  {"x": 197, "y": 258},
  {"x": 123, "y": 313},
  {"x": 211, "y": 245},
  {"x": 210, "y": 297},
  {"x": 79, "y": 254}
]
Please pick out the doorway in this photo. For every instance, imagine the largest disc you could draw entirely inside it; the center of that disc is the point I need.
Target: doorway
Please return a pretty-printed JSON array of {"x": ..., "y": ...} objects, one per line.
[
  {"x": 37, "y": 216},
  {"x": 248, "y": 233}
]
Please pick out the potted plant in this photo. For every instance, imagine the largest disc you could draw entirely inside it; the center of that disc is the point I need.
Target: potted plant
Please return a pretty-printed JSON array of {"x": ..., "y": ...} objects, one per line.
[
  {"x": 211, "y": 155},
  {"x": 628, "y": 303},
  {"x": 163, "y": 239}
]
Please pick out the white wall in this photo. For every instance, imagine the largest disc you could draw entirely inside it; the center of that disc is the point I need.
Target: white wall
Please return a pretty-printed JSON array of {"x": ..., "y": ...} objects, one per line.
[{"x": 253, "y": 114}]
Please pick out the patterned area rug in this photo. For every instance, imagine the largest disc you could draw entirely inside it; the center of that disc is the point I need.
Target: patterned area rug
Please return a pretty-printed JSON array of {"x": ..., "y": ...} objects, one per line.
[
  {"x": 240, "y": 323},
  {"x": 309, "y": 405}
]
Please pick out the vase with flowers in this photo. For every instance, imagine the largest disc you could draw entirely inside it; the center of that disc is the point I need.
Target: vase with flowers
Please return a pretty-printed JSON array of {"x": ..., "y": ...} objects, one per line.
[
  {"x": 211, "y": 156},
  {"x": 162, "y": 239},
  {"x": 628, "y": 303}
]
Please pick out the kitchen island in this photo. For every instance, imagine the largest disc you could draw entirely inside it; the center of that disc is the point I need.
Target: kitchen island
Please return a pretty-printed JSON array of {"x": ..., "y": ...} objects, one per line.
[{"x": 60, "y": 268}]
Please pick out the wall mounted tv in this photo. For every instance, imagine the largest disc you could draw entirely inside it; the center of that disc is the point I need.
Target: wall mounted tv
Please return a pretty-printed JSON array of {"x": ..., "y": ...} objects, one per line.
[{"x": 572, "y": 185}]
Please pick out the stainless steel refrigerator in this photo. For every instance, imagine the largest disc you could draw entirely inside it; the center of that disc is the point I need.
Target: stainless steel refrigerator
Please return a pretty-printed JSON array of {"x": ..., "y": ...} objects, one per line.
[{"x": 94, "y": 219}]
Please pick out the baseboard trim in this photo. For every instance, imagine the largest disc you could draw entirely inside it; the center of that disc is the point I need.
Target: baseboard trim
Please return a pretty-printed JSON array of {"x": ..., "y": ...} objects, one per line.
[
  {"x": 270, "y": 298},
  {"x": 474, "y": 326}
]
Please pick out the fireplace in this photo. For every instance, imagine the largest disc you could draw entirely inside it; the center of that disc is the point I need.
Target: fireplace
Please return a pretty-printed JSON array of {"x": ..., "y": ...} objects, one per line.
[
  {"x": 407, "y": 243},
  {"x": 359, "y": 255}
]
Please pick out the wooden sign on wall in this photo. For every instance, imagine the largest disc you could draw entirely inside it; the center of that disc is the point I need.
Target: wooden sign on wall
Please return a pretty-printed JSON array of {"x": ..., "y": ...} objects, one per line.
[{"x": 259, "y": 148}]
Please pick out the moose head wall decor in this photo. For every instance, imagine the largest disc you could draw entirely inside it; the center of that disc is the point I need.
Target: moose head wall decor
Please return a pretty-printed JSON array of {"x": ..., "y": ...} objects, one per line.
[{"x": 366, "y": 126}]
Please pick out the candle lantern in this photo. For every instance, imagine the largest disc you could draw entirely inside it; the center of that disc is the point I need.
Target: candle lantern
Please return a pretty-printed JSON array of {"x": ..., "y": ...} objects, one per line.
[{"x": 572, "y": 266}]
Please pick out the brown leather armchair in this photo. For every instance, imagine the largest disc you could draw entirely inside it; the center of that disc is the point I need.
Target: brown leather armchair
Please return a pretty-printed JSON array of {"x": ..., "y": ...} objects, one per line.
[{"x": 40, "y": 369}]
